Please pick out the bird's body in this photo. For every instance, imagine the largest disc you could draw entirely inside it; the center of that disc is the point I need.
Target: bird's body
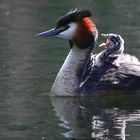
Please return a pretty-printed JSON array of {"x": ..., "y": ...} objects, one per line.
[
  {"x": 79, "y": 76},
  {"x": 84, "y": 73}
]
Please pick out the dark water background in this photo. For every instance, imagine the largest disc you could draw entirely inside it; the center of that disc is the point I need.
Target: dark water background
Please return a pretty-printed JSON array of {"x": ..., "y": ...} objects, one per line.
[{"x": 29, "y": 65}]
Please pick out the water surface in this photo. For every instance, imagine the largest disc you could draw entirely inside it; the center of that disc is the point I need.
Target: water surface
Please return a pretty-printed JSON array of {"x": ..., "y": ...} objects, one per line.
[{"x": 28, "y": 67}]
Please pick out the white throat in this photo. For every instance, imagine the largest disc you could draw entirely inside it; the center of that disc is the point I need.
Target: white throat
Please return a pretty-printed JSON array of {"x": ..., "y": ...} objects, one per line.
[{"x": 66, "y": 81}]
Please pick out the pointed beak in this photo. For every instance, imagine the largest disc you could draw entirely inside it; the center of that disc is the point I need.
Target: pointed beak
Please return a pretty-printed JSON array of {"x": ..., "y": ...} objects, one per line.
[{"x": 52, "y": 32}]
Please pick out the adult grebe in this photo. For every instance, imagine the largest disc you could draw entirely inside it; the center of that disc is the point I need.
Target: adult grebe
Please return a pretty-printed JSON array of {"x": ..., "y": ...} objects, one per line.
[{"x": 78, "y": 76}]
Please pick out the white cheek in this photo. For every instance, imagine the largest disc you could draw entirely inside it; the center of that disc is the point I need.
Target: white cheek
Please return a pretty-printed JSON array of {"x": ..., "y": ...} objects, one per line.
[{"x": 69, "y": 33}]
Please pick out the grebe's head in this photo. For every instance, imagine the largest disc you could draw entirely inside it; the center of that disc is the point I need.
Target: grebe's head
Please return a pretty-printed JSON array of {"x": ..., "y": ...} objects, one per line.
[
  {"x": 114, "y": 43},
  {"x": 77, "y": 27}
]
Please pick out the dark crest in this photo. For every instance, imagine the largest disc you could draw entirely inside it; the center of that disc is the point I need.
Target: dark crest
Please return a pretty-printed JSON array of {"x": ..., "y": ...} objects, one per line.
[{"x": 72, "y": 16}]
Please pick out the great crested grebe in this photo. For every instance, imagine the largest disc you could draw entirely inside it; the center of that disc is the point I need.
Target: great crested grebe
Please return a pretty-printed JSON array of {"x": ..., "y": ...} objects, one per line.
[{"x": 79, "y": 75}]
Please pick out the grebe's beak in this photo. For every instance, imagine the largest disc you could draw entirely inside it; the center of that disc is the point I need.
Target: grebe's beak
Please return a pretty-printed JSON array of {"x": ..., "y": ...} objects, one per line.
[
  {"x": 105, "y": 44},
  {"x": 52, "y": 32}
]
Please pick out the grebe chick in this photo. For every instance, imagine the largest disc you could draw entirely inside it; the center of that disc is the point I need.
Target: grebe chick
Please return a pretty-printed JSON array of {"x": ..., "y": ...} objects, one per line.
[{"x": 114, "y": 45}]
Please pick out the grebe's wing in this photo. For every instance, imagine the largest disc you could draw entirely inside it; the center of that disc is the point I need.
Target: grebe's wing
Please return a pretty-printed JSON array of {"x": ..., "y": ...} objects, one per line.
[
  {"x": 126, "y": 58},
  {"x": 119, "y": 71},
  {"x": 124, "y": 75}
]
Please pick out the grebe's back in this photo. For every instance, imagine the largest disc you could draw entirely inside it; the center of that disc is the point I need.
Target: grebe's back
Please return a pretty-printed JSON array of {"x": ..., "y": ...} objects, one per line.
[{"x": 111, "y": 68}]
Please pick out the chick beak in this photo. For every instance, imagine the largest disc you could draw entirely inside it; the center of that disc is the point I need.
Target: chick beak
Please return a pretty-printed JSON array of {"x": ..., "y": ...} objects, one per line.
[{"x": 105, "y": 44}]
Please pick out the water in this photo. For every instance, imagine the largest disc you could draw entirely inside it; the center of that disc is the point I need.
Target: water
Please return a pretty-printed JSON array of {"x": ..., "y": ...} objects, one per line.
[{"x": 29, "y": 65}]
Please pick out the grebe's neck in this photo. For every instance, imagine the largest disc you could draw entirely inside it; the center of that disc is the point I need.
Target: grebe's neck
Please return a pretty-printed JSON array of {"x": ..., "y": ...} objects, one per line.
[
  {"x": 75, "y": 58},
  {"x": 67, "y": 81}
]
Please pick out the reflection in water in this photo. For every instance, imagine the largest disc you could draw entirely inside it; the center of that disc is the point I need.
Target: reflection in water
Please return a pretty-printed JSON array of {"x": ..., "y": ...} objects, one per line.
[{"x": 99, "y": 118}]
